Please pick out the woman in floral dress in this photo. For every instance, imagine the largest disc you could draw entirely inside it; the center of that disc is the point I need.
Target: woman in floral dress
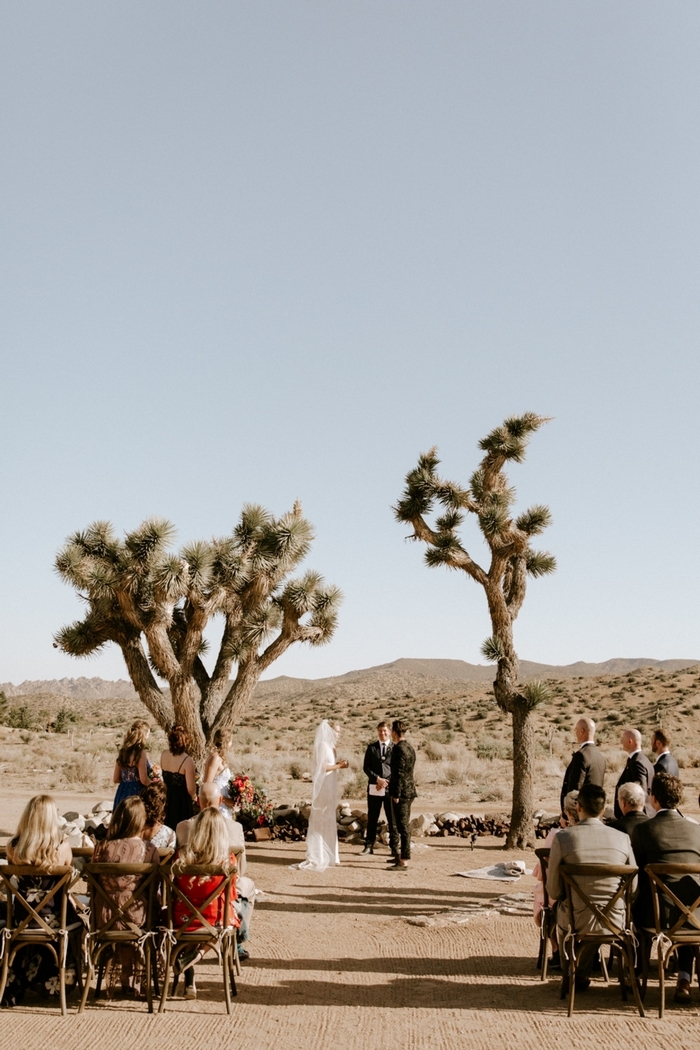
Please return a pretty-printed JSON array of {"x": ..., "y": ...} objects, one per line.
[
  {"x": 39, "y": 843},
  {"x": 131, "y": 767}
]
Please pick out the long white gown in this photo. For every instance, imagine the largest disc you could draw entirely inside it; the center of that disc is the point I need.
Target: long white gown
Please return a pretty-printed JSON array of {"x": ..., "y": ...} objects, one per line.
[
  {"x": 222, "y": 782},
  {"x": 322, "y": 834}
]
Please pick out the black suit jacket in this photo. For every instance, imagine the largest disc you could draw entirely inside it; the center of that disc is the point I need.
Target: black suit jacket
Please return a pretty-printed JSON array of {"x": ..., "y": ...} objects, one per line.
[
  {"x": 401, "y": 783},
  {"x": 628, "y": 823},
  {"x": 666, "y": 839},
  {"x": 667, "y": 764},
  {"x": 638, "y": 770},
  {"x": 374, "y": 766},
  {"x": 587, "y": 766}
]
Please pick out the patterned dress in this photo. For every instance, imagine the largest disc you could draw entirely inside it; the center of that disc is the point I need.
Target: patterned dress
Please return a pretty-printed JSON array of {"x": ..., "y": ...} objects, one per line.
[{"x": 129, "y": 784}]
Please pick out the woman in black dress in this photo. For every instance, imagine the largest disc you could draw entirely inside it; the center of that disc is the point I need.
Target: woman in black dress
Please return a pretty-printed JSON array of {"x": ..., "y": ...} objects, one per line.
[{"x": 179, "y": 777}]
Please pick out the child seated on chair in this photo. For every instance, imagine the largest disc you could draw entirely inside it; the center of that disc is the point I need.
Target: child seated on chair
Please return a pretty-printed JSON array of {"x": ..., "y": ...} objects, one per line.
[{"x": 208, "y": 843}]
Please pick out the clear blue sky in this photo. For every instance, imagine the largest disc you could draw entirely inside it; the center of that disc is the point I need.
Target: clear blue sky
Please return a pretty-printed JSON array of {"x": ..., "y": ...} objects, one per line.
[{"x": 261, "y": 251}]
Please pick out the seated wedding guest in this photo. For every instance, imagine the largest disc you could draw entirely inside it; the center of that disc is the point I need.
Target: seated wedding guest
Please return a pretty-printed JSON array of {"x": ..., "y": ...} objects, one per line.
[
  {"x": 131, "y": 767},
  {"x": 668, "y": 838},
  {"x": 567, "y": 820},
  {"x": 208, "y": 843},
  {"x": 179, "y": 777},
  {"x": 210, "y": 798},
  {"x": 39, "y": 843},
  {"x": 589, "y": 842},
  {"x": 664, "y": 761},
  {"x": 638, "y": 769},
  {"x": 154, "y": 830},
  {"x": 631, "y": 799},
  {"x": 124, "y": 845}
]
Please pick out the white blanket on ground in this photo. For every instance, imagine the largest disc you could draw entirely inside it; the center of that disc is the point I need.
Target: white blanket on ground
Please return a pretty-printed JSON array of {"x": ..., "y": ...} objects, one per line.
[{"x": 506, "y": 871}]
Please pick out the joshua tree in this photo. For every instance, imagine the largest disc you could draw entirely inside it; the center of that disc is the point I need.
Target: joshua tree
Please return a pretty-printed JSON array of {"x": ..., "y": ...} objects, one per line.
[
  {"x": 512, "y": 559},
  {"x": 155, "y": 604}
]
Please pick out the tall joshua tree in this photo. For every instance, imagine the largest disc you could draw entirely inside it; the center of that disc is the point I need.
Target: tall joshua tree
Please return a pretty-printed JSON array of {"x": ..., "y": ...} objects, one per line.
[
  {"x": 155, "y": 604},
  {"x": 490, "y": 499}
]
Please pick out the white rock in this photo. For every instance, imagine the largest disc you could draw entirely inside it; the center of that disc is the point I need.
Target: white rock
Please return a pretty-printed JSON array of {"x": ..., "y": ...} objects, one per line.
[
  {"x": 75, "y": 839},
  {"x": 103, "y": 807},
  {"x": 420, "y": 825},
  {"x": 433, "y": 829},
  {"x": 454, "y": 817}
]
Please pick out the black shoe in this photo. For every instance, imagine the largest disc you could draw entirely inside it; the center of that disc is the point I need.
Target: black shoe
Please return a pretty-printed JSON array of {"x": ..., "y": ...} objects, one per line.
[
  {"x": 582, "y": 983},
  {"x": 554, "y": 963},
  {"x": 367, "y": 849}
]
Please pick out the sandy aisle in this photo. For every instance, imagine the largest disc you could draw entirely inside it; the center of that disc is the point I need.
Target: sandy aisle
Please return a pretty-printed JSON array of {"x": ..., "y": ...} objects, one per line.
[{"x": 334, "y": 963}]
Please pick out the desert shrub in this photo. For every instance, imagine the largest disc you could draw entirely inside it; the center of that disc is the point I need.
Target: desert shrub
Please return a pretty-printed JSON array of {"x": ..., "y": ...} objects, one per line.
[
  {"x": 81, "y": 769},
  {"x": 26, "y": 738},
  {"x": 453, "y": 774},
  {"x": 432, "y": 751},
  {"x": 64, "y": 719},
  {"x": 296, "y": 770},
  {"x": 356, "y": 785},
  {"x": 19, "y": 717}
]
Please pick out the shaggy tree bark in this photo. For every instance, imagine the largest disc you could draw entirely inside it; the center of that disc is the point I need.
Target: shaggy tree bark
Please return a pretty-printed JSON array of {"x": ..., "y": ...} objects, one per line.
[
  {"x": 156, "y": 605},
  {"x": 512, "y": 560}
]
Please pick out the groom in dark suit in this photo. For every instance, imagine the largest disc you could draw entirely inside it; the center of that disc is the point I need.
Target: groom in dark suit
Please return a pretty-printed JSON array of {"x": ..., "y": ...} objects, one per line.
[{"x": 377, "y": 769}]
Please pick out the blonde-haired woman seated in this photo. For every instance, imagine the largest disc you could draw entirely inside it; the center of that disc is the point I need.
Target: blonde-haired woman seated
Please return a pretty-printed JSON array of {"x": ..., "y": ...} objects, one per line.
[
  {"x": 208, "y": 843},
  {"x": 124, "y": 845},
  {"x": 39, "y": 842}
]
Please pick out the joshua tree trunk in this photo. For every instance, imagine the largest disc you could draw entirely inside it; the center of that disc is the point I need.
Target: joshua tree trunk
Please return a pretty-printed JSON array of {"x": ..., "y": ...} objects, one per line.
[{"x": 489, "y": 497}]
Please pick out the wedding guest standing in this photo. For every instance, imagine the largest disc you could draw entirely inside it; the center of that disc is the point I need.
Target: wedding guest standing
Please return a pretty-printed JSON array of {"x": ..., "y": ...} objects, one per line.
[
  {"x": 402, "y": 790},
  {"x": 216, "y": 769},
  {"x": 131, "y": 767},
  {"x": 638, "y": 769},
  {"x": 178, "y": 777},
  {"x": 664, "y": 761},
  {"x": 587, "y": 765},
  {"x": 377, "y": 767}
]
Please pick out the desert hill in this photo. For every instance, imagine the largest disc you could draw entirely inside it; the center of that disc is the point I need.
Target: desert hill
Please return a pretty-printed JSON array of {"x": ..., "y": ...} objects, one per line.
[{"x": 402, "y": 673}]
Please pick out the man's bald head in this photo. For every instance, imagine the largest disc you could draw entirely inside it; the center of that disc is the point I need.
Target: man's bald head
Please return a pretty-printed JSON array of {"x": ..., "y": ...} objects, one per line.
[
  {"x": 631, "y": 740},
  {"x": 584, "y": 729},
  {"x": 209, "y": 796}
]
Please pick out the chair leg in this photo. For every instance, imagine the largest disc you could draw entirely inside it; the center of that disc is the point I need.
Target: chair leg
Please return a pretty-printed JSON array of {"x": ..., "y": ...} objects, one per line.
[
  {"x": 572, "y": 979},
  {"x": 662, "y": 985},
  {"x": 147, "y": 976},
  {"x": 166, "y": 978},
  {"x": 225, "y": 971},
  {"x": 89, "y": 974},
  {"x": 627, "y": 956},
  {"x": 604, "y": 965},
  {"x": 5, "y": 969}
]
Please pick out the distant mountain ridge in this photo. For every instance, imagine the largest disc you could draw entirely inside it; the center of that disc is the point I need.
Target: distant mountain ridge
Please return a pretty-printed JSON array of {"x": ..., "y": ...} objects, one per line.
[{"x": 405, "y": 668}]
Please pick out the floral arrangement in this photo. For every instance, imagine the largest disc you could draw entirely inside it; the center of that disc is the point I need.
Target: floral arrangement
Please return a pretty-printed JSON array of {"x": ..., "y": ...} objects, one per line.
[
  {"x": 253, "y": 805},
  {"x": 155, "y": 773}
]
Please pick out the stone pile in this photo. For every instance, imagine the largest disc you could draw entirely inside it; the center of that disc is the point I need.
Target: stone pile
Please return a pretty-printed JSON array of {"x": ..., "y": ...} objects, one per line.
[
  {"x": 473, "y": 827},
  {"x": 84, "y": 830},
  {"x": 291, "y": 823}
]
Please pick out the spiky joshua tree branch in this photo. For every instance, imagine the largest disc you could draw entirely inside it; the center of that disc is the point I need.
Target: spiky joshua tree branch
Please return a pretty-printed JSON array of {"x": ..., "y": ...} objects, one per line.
[
  {"x": 435, "y": 509},
  {"x": 155, "y": 605}
]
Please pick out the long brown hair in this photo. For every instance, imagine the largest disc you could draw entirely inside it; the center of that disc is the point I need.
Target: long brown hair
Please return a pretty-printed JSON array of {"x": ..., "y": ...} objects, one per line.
[
  {"x": 134, "y": 744},
  {"x": 221, "y": 744},
  {"x": 128, "y": 819}
]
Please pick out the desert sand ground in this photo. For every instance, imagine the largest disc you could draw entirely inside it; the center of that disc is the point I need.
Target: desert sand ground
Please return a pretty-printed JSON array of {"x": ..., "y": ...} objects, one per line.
[{"x": 335, "y": 963}]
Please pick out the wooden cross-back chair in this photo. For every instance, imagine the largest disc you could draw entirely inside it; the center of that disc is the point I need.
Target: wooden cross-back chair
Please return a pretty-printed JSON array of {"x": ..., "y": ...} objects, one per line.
[
  {"x": 612, "y": 933},
  {"x": 685, "y": 930},
  {"x": 205, "y": 934},
  {"x": 25, "y": 926},
  {"x": 547, "y": 919},
  {"x": 118, "y": 929}
]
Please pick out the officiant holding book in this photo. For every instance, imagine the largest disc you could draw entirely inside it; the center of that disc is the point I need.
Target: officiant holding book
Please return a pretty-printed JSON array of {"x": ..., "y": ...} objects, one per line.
[{"x": 377, "y": 769}]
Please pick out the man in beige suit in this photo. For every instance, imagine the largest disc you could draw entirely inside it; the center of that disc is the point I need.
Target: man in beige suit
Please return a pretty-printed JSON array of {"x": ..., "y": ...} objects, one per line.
[{"x": 588, "y": 842}]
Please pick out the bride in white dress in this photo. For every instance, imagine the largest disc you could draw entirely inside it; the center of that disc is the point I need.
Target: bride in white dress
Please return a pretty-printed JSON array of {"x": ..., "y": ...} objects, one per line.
[
  {"x": 216, "y": 770},
  {"x": 322, "y": 835}
]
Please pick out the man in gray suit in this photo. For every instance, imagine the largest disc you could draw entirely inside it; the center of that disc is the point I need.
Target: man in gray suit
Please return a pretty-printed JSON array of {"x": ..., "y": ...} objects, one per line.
[
  {"x": 668, "y": 839},
  {"x": 588, "y": 842},
  {"x": 664, "y": 761}
]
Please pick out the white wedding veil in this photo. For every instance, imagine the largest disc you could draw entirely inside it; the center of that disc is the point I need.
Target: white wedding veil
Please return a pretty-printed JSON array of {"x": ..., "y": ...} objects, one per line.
[{"x": 324, "y": 754}]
